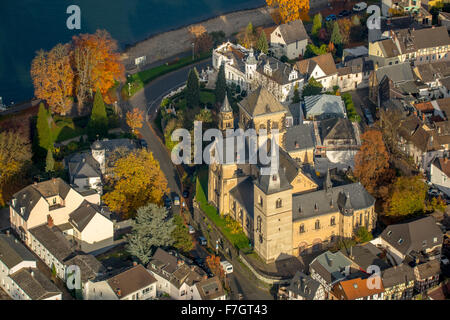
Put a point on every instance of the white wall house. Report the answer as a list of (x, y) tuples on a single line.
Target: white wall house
[(439, 174), (289, 39)]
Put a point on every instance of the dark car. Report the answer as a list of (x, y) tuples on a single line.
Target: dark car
[(167, 202), (143, 143), (344, 13), (185, 194)]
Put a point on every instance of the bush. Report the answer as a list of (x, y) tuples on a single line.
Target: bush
[(284, 59), (351, 111)]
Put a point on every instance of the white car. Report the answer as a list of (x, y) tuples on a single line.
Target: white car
[(444, 260), (360, 6), (227, 267), (191, 229)]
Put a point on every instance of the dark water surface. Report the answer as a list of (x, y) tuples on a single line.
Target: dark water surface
[(29, 25)]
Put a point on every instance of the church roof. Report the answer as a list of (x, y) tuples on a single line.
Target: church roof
[(226, 105), (260, 102)]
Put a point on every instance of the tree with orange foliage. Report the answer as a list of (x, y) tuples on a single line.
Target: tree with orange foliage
[(291, 10), (372, 164), (213, 263), (201, 39), (345, 26), (331, 48), (135, 119), (96, 64), (53, 77)]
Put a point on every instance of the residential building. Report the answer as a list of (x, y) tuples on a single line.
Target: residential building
[(440, 174), (102, 150), (303, 287), (73, 213), (444, 19), (355, 52), (359, 289), (426, 275), (331, 268), (431, 75), (181, 281), (411, 45), (398, 282), (324, 106), (418, 239), (84, 172), (322, 68), (19, 276), (136, 283), (354, 74), (244, 68), (289, 39)]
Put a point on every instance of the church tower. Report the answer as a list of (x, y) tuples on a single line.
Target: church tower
[(226, 120), (250, 69), (272, 216)]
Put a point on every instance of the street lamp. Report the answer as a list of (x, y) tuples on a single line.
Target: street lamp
[(193, 46)]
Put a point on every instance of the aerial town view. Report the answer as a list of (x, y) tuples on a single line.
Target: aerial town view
[(225, 150)]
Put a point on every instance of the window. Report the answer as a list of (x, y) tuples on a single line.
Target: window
[(333, 221), (400, 241), (302, 228), (258, 223), (279, 203), (317, 225), (260, 201), (145, 291), (389, 233)]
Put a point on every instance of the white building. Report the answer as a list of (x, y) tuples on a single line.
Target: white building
[(289, 39), (439, 174), (19, 277), (322, 68)]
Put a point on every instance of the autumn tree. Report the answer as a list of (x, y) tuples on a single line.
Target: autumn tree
[(291, 10), (151, 228), (135, 119), (96, 63), (98, 122), (213, 263), (363, 235), (317, 24), (407, 197), (262, 45), (296, 97), (181, 236), (192, 91), (15, 160), (372, 163), (389, 124), (249, 36), (53, 77), (345, 26), (43, 128), (136, 181)]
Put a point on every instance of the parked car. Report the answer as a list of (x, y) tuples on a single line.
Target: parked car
[(368, 116), (344, 13), (202, 241), (143, 143), (191, 229), (185, 194), (360, 6), (176, 200), (444, 260), (227, 266), (240, 296), (167, 202), (331, 17)]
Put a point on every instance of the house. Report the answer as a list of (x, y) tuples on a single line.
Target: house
[(19, 276), (431, 75), (73, 213), (102, 150), (367, 257), (177, 279), (354, 74), (249, 71), (299, 142), (330, 268), (303, 287), (411, 45), (339, 140), (358, 289), (324, 106), (444, 19), (398, 282), (289, 39), (355, 52), (426, 275), (322, 68), (136, 283), (440, 174), (209, 289), (418, 239), (84, 172)]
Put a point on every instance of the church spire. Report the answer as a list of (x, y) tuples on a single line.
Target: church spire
[(328, 185), (225, 105)]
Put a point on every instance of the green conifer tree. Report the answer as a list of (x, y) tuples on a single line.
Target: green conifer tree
[(262, 44), (192, 90), (43, 128), (49, 161), (221, 85), (98, 123), (336, 36)]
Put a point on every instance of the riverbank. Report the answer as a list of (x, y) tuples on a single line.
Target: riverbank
[(175, 42)]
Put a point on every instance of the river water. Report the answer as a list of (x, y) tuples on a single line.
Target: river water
[(29, 25)]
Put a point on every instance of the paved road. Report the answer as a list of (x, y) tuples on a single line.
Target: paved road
[(148, 100), (361, 100)]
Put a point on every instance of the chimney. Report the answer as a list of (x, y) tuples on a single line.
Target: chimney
[(134, 264), (54, 180), (50, 221), (179, 262), (205, 277), (118, 292), (7, 233), (32, 273), (192, 268), (35, 183)]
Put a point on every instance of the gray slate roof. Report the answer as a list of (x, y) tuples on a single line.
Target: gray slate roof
[(365, 255), (273, 183), (90, 267), (280, 71), (35, 284), (13, 252), (299, 137), (83, 165), (351, 197), (30, 195), (304, 286), (428, 269), (81, 216), (111, 145), (401, 72), (293, 31), (243, 193), (410, 236), (336, 129), (260, 102), (330, 266), (397, 275), (54, 241), (324, 105)]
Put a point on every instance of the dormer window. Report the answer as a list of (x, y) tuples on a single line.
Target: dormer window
[(22, 210), (316, 207), (389, 233), (14, 201), (293, 75), (400, 241)]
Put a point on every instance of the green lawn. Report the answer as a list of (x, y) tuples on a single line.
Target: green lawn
[(64, 129), (239, 240), (140, 79)]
